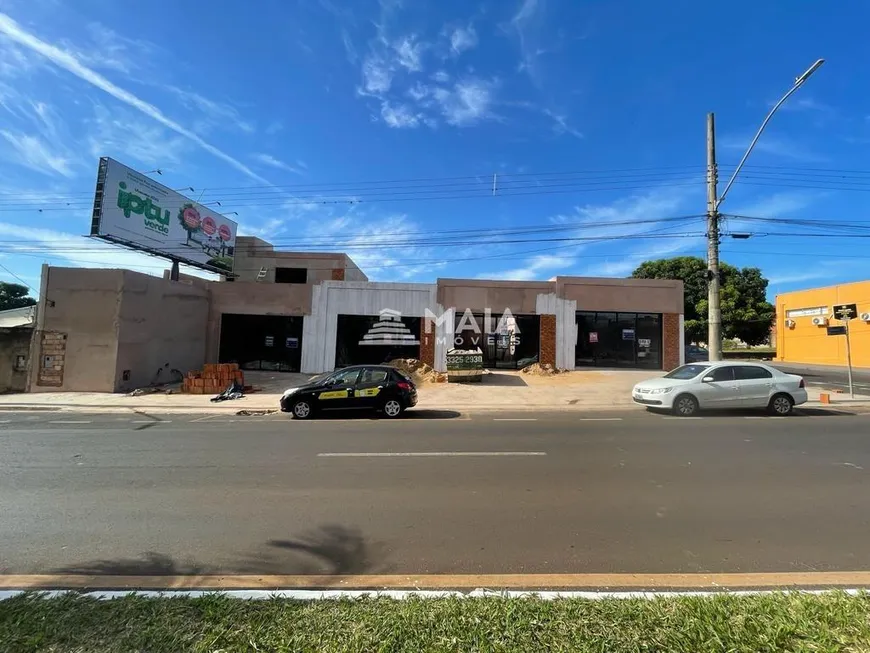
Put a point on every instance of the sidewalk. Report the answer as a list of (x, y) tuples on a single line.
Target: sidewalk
[(499, 391)]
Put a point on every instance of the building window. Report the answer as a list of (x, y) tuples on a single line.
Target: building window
[(291, 275)]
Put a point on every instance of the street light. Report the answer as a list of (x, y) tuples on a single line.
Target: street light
[(798, 82), (714, 200)]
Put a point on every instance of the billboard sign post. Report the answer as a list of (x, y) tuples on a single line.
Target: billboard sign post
[(135, 211)]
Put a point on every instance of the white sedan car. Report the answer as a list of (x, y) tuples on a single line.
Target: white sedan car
[(700, 386)]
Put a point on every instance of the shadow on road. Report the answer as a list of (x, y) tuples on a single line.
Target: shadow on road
[(749, 412), (413, 413), (331, 550)]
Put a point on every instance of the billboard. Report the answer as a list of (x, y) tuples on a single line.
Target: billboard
[(133, 210)]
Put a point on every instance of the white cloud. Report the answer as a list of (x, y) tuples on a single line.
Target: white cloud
[(399, 116), (349, 48), (777, 205), (560, 124), (627, 262), (777, 146), (32, 152), (71, 64), (77, 251), (409, 52), (796, 277), (524, 26), (274, 127), (215, 113), (269, 160), (441, 77), (539, 267), (462, 39), (467, 103), (377, 76), (124, 135)]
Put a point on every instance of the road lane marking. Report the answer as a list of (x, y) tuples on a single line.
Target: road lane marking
[(600, 419), (429, 454), (528, 582), (151, 421), (514, 419), (681, 418), (207, 417), (71, 421)]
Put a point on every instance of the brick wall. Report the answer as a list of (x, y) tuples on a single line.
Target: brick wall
[(52, 349), (548, 340), (427, 342), (338, 274), (670, 341)]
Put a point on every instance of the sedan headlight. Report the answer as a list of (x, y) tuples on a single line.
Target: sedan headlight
[(288, 392), (660, 391)]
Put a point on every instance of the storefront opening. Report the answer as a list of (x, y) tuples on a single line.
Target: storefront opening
[(607, 339), (261, 342), (508, 342), (372, 340)]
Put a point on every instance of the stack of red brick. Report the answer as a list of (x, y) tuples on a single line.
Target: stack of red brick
[(214, 379)]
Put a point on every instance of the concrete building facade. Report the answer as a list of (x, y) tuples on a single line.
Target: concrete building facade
[(802, 318), (115, 330)]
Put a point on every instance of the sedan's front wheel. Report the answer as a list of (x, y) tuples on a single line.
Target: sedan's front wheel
[(781, 405), (685, 406)]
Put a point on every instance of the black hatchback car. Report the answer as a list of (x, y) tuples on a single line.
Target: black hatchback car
[(362, 387)]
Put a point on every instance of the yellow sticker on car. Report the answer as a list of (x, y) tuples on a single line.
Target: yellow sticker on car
[(334, 394), (368, 392)]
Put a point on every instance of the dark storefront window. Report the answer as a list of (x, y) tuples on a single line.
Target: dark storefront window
[(507, 342), (607, 339), (262, 342), (372, 340)]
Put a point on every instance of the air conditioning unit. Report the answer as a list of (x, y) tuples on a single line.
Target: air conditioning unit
[(821, 320), (865, 317), (790, 324)]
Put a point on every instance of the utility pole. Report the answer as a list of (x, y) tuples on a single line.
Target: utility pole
[(714, 311)]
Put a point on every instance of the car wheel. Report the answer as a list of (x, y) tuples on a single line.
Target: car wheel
[(781, 405), (685, 406), (392, 408), (302, 409)]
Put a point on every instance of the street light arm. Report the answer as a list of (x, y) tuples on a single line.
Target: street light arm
[(797, 84), (754, 141)]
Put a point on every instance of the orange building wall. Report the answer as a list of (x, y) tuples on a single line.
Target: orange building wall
[(807, 343)]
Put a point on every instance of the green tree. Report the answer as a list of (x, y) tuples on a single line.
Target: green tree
[(746, 313), (14, 295)]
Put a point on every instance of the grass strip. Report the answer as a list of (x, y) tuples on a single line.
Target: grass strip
[(770, 622)]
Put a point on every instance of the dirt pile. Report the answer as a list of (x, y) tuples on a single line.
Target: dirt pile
[(537, 369), (419, 371)]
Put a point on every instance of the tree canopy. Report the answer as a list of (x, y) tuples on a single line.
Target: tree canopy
[(14, 295), (746, 313)]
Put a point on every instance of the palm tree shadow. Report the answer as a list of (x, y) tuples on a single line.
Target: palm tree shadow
[(331, 550)]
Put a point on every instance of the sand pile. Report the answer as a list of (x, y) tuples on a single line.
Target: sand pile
[(419, 371), (537, 369)]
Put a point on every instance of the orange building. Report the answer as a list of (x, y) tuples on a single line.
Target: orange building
[(802, 318)]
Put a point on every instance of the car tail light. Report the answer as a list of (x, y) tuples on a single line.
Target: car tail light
[(802, 384), (404, 386)]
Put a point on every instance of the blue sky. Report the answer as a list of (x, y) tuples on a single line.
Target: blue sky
[(290, 111)]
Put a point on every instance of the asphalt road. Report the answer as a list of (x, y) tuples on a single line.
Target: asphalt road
[(832, 378), (433, 494)]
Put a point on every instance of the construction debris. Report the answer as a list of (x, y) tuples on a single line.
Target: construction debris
[(539, 369), (214, 378), (419, 371)]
